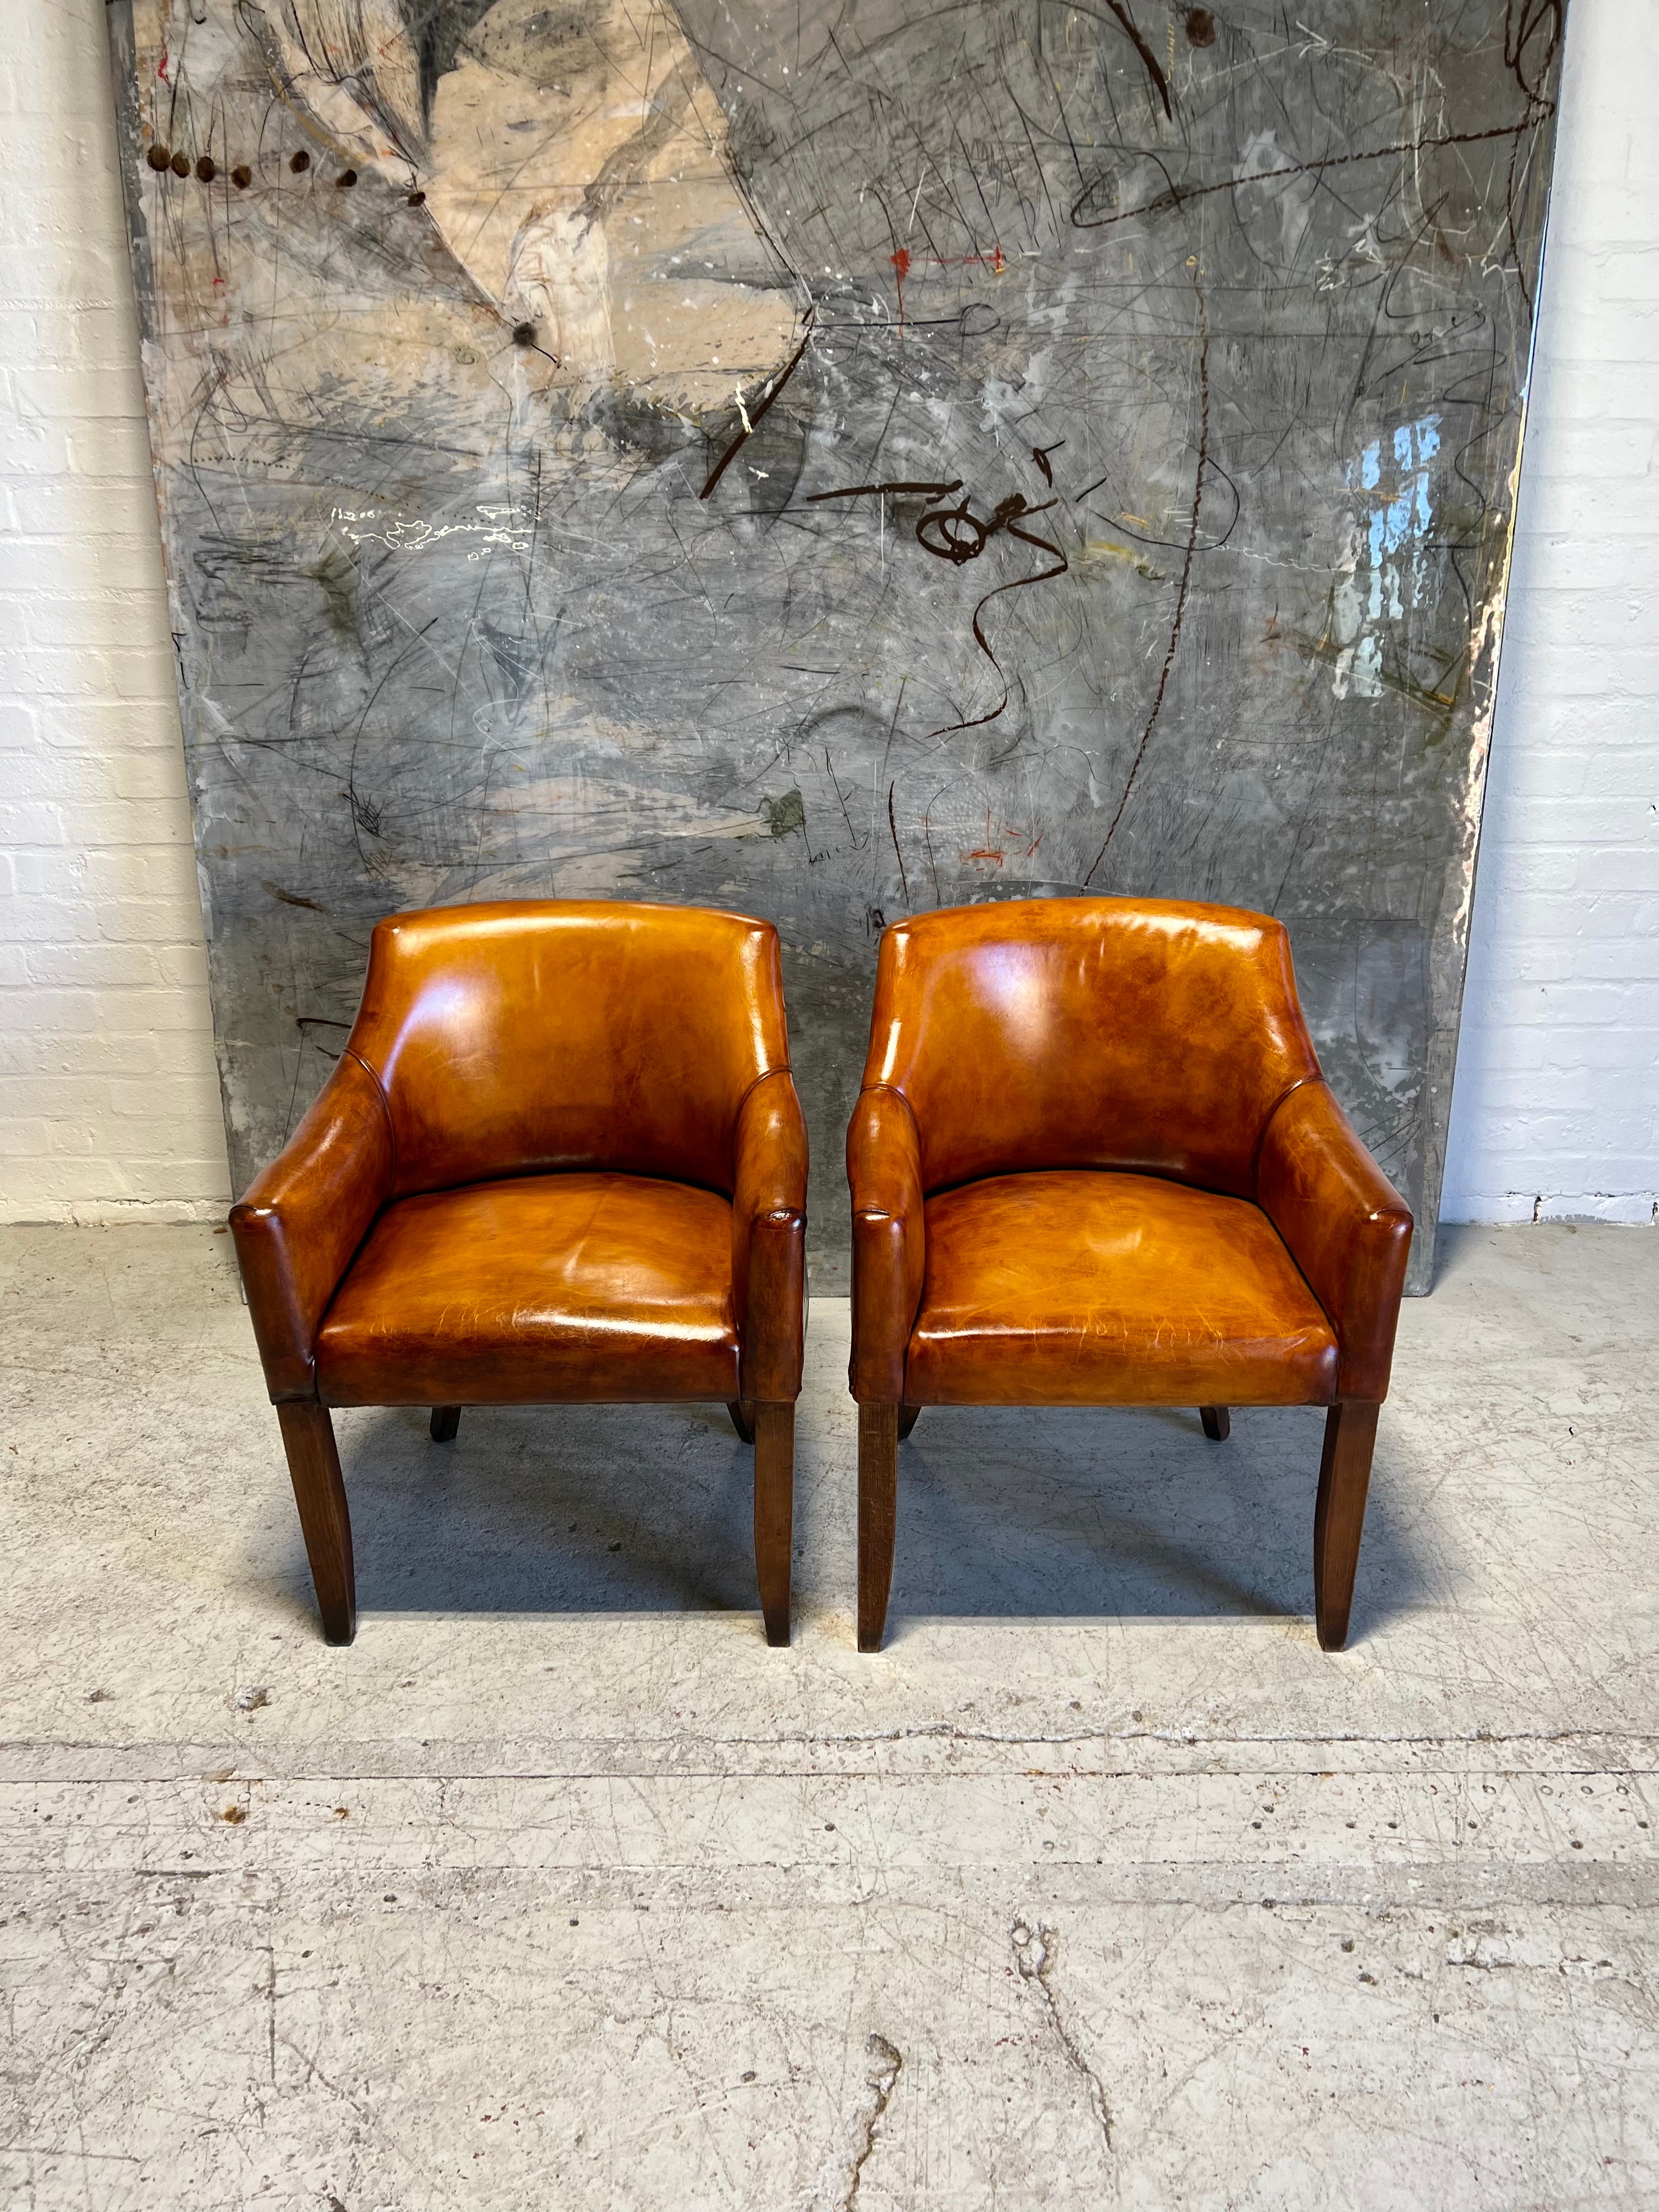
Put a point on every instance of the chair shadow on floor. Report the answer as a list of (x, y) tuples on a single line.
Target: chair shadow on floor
[(1119, 1513), (1085, 1515)]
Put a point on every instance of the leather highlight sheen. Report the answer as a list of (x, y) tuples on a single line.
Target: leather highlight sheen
[(1095, 1162), (561, 1158)]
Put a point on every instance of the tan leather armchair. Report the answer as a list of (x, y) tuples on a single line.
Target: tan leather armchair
[(1094, 1162), (561, 1160)]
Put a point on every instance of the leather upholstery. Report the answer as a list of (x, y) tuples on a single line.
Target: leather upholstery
[(1073, 1287), (569, 1134), (1061, 1033), (1231, 1242), (558, 1287)]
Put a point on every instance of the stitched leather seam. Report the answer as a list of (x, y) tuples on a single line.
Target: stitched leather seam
[(737, 1116), (752, 1088), (385, 1108), (892, 1091), (1300, 1084)]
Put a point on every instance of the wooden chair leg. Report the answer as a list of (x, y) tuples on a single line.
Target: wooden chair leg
[(1345, 1474), (774, 1513), (742, 1411), (877, 1518), (1217, 1426), (446, 1424), (907, 1417), (313, 1464)]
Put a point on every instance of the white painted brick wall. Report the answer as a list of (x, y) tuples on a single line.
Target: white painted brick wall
[(108, 1101), (1556, 1109)]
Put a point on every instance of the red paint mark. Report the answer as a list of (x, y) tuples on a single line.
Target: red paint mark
[(986, 854), (161, 66), (901, 262)]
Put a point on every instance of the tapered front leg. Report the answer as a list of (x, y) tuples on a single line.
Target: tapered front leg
[(877, 1518), (446, 1424), (1217, 1426), (1345, 1474), (774, 1513), (313, 1464)]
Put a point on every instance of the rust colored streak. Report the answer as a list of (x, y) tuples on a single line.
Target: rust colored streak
[(901, 262), (1149, 59), (1186, 575)]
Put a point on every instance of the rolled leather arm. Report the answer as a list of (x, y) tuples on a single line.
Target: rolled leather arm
[(884, 1166), (303, 1219), (1347, 1227), (768, 1239)]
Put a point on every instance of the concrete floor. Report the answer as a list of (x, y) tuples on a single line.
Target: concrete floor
[(1101, 1885)]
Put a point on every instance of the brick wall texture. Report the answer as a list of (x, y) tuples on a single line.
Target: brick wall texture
[(109, 1105)]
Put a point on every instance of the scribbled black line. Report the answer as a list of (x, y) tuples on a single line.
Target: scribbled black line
[(957, 534), (1516, 42), (1040, 455), (1176, 544), (1178, 195), (865, 491), (893, 828), (1146, 55), (1015, 584), (1186, 575), (761, 411)]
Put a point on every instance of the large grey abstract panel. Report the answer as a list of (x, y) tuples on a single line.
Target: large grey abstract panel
[(835, 460)]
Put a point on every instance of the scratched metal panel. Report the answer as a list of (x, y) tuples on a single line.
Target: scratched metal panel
[(525, 380)]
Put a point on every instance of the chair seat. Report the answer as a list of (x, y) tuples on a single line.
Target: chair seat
[(551, 1288), (1094, 1287)]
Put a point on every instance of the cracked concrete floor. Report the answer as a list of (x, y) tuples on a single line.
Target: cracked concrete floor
[(1101, 1885)]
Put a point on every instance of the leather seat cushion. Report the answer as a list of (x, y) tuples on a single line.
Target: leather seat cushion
[(1090, 1287), (574, 1288)]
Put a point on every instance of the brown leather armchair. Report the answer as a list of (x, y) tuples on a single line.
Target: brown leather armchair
[(561, 1160), (1094, 1162)]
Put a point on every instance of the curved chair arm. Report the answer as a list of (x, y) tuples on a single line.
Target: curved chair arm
[(768, 1239), (303, 1219), (884, 1166), (1347, 1227)]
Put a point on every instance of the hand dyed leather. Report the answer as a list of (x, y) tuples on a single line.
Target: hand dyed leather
[(1094, 1160), (884, 1166), (562, 1157)]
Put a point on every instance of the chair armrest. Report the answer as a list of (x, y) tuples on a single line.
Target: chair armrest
[(768, 1239), (302, 1219), (1347, 1227), (884, 1166)]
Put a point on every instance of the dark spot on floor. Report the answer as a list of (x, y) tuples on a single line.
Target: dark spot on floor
[(1201, 26)]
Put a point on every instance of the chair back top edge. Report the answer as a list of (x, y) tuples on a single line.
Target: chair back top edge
[(1149, 1034), (518, 1035)]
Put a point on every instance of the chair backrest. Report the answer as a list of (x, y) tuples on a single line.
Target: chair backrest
[(541, 1034), (1123, 1033)]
